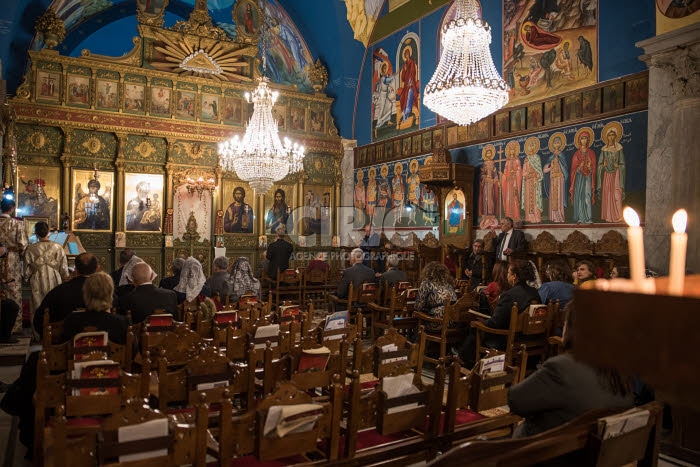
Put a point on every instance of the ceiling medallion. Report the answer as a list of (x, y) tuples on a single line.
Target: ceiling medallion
[(38, 140), (93, 145), (201, 62), (145, 149)]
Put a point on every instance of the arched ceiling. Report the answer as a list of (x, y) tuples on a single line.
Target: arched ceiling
[(107, 26)]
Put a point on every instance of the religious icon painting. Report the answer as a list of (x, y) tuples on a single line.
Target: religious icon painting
[(38, 192), (438, 138), (427, 142), (613, 97), (107, 94), (517, 120), (279, 113), (233, 110), (185, 104), (416, 144), (451, 136), (362, 155), (317, 120), (379, 151), (160, 101), (502, 123), (552, 111), (479, 130), (573, 107), (134, 97), (47, 86), (454, 219), (636, 91), (279, 204), (210, 108), (92, 200), (534, 116), (370, 155), (677, 8), (406, 147), (316, 210), (248, 18), (298, 118), (239, 215), (143, 198), (397, 148), (388, 150), (462, 133), (591, 102), (78, 90)]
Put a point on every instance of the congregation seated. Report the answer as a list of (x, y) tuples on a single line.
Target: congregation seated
[(124, 257), (243, 280), (126, 284), (521, 293), (171, 282), (192, 282), (559, 286), (278, 253), (478, 263), (564, 388), (499, 283), (436, 288), (219, 282), (393, 275), (97, 296), (318, 263), (619, 272), (356, 274), (66, 297), (584, 271), (145, 298)]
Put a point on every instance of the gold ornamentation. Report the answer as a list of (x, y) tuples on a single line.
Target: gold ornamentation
[(145, 149), (132, 58), (545, 243), (318, 75), (37, 140), (180, 177), (200, 24), (577, 242), (51, 28), (612, 243), (24, 89), (93, 145), (143, 241), (430, 241)]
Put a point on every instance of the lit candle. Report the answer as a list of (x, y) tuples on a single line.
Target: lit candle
[(679, 242), (635, 241)]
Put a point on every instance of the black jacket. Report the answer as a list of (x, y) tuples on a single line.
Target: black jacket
[(521, 293), (146, 298), (76, 322), (61, 301), (357, 274), (278, 253), (517, 241)]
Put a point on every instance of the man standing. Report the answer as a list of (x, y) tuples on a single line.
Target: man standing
[(509, 240), (239, 215), (477, 264), (278, 253), (369, 241), (13, 236)]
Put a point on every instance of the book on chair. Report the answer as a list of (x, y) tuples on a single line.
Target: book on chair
[(411, 294), (617, 425), (272, 331), (537, 310), (225, 317), (289, 310), (96, 369), (337, 320), (161, 320), (314, 359), (403, 286), (246, 299)]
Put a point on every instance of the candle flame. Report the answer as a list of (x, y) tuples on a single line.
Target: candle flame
[(631, 217), (680, 220)]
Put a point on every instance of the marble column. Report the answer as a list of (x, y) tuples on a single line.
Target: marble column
[(673, 159), (347, 167)]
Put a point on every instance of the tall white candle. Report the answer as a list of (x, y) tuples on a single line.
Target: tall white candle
[(679, 242), (635, 241)]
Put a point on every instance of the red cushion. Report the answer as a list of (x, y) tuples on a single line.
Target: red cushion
[(78, 422), (252, 461)]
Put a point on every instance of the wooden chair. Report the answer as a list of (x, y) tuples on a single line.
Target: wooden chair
[(449, 335), (318, 377), (315, 288), (288, 286), (532, 330), (395, 315), (336, 303), (180, 345)]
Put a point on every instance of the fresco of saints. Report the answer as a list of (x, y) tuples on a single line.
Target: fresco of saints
[(414, 190), (488, 189), (384, 96), (532, 182), (140, 214), (239, 215), (611, 174), (582, 188), (556, 178), (408, 92), (455, 213), (359, 193), (399, 192), (511, 180), (383, 191), (371, 194), (278, 213)]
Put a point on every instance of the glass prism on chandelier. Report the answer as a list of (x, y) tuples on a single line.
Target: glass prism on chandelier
[(260, 158), (466, 86)]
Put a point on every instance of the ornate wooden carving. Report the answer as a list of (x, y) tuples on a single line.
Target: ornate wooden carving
[(489, 238), (545, 243), (577, 242), (612, 243), (430, 241)]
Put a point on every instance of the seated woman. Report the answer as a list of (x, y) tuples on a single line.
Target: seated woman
[(192, 282), (584, 271), (559, 286), (242, 278), (498, 284), (564, 388), (620, 272), (436, 288)]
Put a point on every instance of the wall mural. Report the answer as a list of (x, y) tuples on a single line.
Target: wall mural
[(391, 195), (581, 174), (362, 14), (396, 90), (549, 47)]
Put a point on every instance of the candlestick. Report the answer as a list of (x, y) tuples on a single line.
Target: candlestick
[(635, 241), (679, 242)]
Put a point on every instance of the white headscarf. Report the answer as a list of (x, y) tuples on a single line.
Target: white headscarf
[(191, 279), (126, 272)]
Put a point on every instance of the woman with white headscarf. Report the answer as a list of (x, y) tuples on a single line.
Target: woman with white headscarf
[(242, 279), (192, 281)]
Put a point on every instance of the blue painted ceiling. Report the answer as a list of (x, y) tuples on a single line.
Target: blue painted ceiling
[(107, 27)]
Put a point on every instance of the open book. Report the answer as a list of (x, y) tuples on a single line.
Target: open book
[(411, 294), (284, 419), (143, 431), (493, 364), (616, 425), (403, 286), (314, 359)]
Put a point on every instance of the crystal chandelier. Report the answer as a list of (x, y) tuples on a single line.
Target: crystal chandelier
[(200, 185), (466, 86), (260, 158)]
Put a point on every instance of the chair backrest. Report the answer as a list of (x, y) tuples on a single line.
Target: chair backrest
[(315, 277)]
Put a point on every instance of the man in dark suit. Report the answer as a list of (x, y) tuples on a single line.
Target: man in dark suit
[(124, 257), (64, 298), (356, 274), (369, 243), (509, 240), (393, 275), (278, 253), (477, 264), (146, 297), (171, 282)]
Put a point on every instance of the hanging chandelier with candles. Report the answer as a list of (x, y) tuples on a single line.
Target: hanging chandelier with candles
[(466, 86), (260, 158)]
